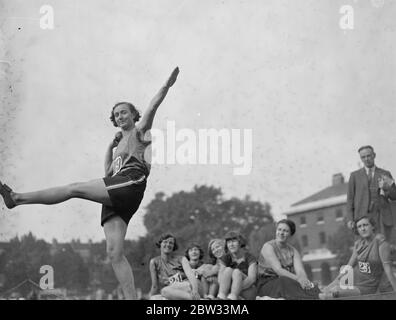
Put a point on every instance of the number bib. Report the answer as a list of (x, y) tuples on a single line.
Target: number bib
[(117, 163), (175, 278), (364, 267)]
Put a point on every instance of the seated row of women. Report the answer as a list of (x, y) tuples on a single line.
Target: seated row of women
[(233, 273)]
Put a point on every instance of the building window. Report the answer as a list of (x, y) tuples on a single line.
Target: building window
[(304, 240), (325, 273), (320, 219), (303, 222), (322, 238), (339, 215), (308, 271)]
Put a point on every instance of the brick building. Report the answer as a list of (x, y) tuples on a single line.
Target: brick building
[(317, 217)]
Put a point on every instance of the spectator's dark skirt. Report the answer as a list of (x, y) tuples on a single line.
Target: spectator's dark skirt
[(284, 287)]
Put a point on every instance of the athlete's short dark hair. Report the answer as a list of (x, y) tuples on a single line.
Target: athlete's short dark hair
[(194, 245), (289, 223), (212, 257), (133, 109), (231, 235), (164, 237), (370, 220)]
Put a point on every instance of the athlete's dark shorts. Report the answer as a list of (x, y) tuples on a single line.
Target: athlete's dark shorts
[(126, 190)]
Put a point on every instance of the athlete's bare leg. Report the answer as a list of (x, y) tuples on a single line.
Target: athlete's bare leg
[(94, 190), (115, 231), (177, 291), (236, 285), (225, 279)]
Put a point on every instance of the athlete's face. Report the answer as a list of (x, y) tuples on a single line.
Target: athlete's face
[(367, 156), (365, 228), (233, 245), (167, 245), (194, 253), (282, 232), (123, 116), (217, 248)]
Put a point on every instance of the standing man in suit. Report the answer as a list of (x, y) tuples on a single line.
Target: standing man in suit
[(369, 195)]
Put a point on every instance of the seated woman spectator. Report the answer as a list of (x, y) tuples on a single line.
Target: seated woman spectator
[(166, 268), (209, 272), (190, 288), (369, 261), (281, 271), (238, 270)]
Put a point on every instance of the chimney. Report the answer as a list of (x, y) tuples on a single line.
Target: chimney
[(338, 179)]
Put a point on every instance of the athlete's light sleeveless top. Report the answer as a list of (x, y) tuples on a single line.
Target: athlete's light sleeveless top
[(129, 154), (285, 256), (169, 271)]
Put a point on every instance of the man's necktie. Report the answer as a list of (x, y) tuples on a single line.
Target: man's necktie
[(370, 175)]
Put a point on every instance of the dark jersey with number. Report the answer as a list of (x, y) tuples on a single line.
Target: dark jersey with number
[(129, 153), (368, 270)]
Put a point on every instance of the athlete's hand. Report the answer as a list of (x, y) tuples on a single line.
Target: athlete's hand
[(116, 140), (304, 283), (172, 79)]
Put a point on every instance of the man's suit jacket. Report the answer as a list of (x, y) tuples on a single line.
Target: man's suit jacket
[(358, 196)]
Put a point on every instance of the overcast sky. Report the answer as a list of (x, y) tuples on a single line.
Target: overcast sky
[(311, 93)]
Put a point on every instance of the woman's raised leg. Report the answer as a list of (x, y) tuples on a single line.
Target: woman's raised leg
[(94, 190)]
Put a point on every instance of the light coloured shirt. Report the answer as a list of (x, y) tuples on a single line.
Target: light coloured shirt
[(372, 171)]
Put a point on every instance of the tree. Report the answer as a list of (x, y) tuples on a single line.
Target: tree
[(341, 244), (260, 236), (203, 214), (24, 258), (69, 269)]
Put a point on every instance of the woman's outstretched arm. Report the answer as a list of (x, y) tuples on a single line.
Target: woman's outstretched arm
[(148, 117)]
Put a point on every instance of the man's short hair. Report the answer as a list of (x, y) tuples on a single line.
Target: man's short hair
[(366, 147)]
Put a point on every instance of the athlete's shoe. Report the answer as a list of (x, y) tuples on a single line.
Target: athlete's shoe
[(5, 192)]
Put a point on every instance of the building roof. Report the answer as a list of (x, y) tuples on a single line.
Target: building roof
[(329, 192), (336, 194), (317, 204)]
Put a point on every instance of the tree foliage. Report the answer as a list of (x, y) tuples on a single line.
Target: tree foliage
[(341, 244), (203, 214)]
